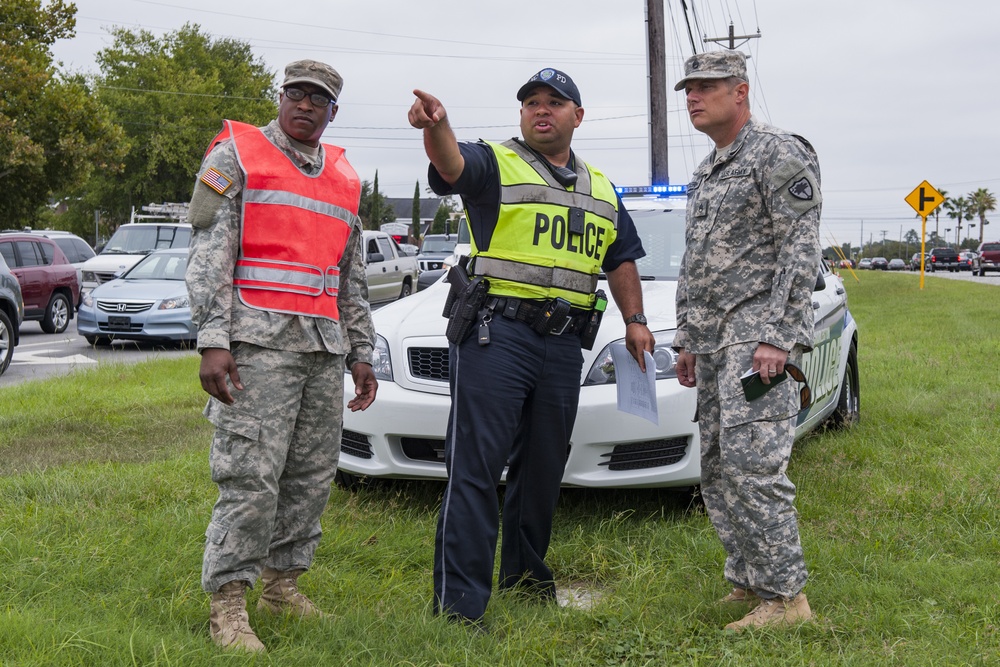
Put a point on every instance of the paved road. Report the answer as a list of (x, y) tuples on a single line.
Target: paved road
[(988, 279), (40, 355)]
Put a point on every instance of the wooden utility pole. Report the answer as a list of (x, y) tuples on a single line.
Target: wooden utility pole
[(656, 50)]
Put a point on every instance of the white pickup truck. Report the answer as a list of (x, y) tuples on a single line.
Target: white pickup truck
[(391, 274)]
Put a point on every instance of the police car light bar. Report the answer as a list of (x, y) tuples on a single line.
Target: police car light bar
[(660, 190)]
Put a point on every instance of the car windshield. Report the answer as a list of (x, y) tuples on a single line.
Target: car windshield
[(662, 234), (439, 245), (141, 239), (167, 266)]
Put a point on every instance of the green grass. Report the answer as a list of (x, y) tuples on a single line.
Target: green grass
[(105, 494)]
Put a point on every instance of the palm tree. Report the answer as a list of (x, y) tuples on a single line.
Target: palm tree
[(981, 201), (958, 210)]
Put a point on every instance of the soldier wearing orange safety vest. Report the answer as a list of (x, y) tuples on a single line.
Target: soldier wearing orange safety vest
[(279, 296)]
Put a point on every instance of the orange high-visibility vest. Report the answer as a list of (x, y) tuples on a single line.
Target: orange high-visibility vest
[(295, 226)]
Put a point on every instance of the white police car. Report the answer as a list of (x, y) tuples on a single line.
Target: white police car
[(402, 434)]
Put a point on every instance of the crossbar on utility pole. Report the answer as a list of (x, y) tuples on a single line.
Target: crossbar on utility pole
[(731, 38)]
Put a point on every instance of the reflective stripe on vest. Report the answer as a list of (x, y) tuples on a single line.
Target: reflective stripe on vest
[(295, 227), (540, 276), (287, 277), (531, 253)]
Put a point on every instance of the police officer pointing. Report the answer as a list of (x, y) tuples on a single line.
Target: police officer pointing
[(544, 224)]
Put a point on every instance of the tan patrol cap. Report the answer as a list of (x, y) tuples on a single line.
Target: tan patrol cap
[(714, 65), (314, 72)]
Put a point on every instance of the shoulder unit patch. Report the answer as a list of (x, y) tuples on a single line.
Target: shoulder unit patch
[(216, 180), (801, 189)]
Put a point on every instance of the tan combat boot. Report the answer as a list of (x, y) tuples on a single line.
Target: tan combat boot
[(281, 594), (777, 611), (743, 596), (228, 622)]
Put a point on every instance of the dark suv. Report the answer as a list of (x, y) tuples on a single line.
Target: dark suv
[(49, 283), (941, 259), (11, 314)]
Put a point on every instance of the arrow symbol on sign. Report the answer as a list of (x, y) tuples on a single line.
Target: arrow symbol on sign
[(924, 199)]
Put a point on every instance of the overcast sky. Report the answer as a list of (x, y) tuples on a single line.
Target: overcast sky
[(890, 92)]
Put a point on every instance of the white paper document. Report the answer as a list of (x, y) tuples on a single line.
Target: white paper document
[(636, 390)]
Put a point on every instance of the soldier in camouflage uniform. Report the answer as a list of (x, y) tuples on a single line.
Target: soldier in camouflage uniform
[(273, 361), (744, 301)]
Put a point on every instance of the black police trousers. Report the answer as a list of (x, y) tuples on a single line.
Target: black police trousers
[(514, 402)]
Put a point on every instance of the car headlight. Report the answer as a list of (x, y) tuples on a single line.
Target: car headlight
[(603, 369), (176, 302), (88, 299), (381, 363), (88, 276)]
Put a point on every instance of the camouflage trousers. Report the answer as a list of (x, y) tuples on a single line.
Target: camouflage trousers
[(274, 456), (745, 448)]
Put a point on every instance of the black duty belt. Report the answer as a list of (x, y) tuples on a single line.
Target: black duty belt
[(528, 311)]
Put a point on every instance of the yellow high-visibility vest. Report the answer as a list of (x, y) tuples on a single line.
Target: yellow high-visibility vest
[(549, 241)]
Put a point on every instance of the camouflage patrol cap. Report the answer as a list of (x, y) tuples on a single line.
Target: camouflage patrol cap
[(714, 65), (314, 72)]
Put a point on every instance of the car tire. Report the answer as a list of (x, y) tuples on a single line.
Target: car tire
[(848, 410), (348, 481), (407, 290), (57, 314), (6, 341), (99, 341)]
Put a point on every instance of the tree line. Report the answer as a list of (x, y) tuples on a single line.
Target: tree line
[(91, 147)]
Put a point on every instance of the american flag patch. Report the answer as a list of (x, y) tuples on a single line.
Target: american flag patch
[(214, 179)]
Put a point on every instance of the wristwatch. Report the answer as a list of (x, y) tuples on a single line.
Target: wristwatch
[(637, 318)]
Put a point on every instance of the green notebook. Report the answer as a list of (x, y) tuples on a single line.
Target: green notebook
[(754, 388)]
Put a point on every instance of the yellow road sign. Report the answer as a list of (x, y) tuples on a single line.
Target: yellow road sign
[(924, 199)]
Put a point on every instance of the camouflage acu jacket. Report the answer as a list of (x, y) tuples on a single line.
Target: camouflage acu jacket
[(752, 252)]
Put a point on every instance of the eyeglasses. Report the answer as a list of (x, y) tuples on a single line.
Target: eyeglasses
[(805, 395), (297, 95)]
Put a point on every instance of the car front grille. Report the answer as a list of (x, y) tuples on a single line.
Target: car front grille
[(423, 449), (429, 363), (648, 454), (355, 444), (134, 327), (124, 306), (104, 277)]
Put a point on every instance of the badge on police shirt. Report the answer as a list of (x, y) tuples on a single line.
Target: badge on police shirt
[(216, 180)]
